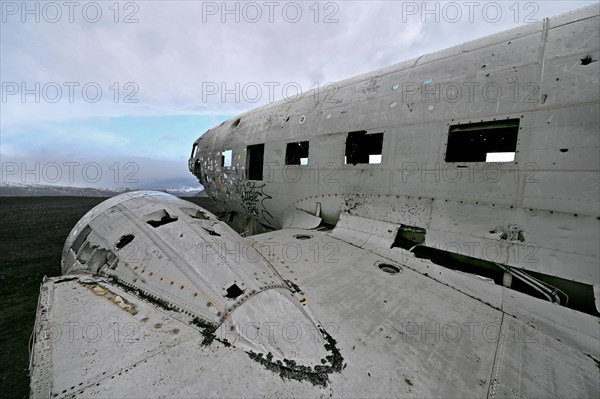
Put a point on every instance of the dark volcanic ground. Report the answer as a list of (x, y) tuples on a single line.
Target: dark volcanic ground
[(32, 233)]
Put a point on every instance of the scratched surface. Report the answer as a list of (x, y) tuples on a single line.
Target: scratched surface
[(400, 335)]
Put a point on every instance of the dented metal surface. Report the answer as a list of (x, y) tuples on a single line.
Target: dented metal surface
[(185, 258), (401, 334)]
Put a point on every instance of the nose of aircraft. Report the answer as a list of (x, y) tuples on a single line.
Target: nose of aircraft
[(258, 315)]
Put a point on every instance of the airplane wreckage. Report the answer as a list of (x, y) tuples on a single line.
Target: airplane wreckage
[(416, 237)]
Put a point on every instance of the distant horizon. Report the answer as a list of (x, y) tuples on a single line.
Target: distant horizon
[(20, 189), (114, 188)]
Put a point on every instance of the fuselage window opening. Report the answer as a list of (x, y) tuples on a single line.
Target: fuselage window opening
[(296, 153), (494, 141), (363, 148), (226, 158), (194, 148), (255, 155), (197, 169)]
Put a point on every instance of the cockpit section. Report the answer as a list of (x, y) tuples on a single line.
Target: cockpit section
[(194, 164)]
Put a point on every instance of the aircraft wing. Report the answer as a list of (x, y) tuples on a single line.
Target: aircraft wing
[(395, 325)]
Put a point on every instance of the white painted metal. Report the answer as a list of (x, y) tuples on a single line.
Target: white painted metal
[(401, 335)]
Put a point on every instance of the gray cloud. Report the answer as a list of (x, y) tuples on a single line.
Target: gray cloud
[(167, 59), (171, 53)]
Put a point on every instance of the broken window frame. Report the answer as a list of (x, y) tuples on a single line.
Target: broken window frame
[(255, 167), (233, 291), (369, 143), (407, 237), (294, 153), (483, 142), (195, 213), (124, 241), (160, 217), (81, 238), (226, 155)]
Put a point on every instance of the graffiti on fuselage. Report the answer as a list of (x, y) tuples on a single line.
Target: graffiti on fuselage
[(253, 197), (229, 186)]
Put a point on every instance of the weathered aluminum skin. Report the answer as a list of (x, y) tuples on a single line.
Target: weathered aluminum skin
[(401, 335), (550, 192), (188, 264)]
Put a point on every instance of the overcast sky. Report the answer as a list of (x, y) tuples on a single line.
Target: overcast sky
[(99, 95)]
